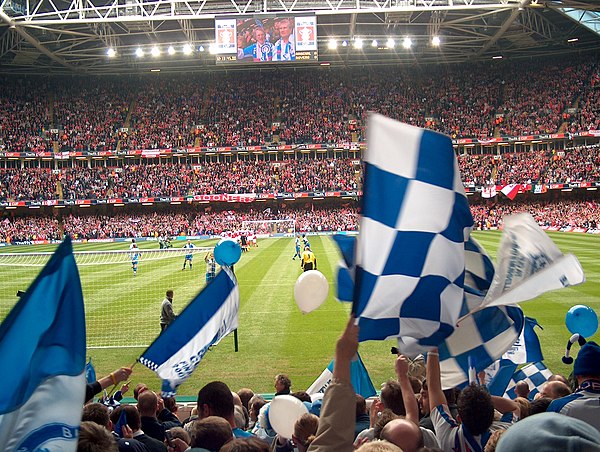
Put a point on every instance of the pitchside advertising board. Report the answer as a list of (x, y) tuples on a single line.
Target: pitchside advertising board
[(268, 40)]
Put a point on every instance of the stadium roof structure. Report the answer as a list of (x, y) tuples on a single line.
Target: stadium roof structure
[(73, 36)]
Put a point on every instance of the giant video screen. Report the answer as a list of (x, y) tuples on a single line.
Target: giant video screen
[(266, 40)]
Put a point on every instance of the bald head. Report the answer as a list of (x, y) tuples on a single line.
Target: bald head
[(404, 434), (555, 390), (147, 404)]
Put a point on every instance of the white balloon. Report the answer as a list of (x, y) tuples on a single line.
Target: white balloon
[(285, 410), (311, 290)]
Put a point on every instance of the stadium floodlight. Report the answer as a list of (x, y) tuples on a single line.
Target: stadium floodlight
[(212, 48), (390, 44), (407, 43), (435, 41), (171, 50), (332, 44), (187, 49), (344, 43), (358, 43), (573, 40), (110, 52), (155, 52), (497, 57), (374, 43), (139, 52), (201, 49)]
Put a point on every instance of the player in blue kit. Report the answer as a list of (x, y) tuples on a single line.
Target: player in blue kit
[(297, 249), (134, 254), (188, 256)]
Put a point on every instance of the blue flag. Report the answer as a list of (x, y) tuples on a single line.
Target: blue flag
[(121, 423), (359, 377), (504, 373), (90, 372), (209, 317), (415, 221), (42, 360)]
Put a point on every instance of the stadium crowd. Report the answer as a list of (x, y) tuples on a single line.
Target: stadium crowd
[(287, 176), (169, 179), (205, 221), (411, 414), (89, 114), (304, 106)]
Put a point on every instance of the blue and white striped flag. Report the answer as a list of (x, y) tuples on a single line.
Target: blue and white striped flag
[(209, 317), (42, 360), (415, 220), (534, 374)]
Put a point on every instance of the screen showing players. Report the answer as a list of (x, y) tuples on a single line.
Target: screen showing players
[(266, 40)]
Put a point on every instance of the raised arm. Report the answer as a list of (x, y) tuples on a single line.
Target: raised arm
[(408, 396), (434, 381), (338, 414), (505, 405)]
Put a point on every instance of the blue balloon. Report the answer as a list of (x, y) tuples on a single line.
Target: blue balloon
[(227, 252), (582, 319)]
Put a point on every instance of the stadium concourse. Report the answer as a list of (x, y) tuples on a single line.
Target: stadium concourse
[(106, 158)]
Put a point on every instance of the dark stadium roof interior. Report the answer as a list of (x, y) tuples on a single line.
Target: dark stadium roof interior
[(72, 36)]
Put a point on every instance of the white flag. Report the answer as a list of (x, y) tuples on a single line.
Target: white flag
[(529, 264)]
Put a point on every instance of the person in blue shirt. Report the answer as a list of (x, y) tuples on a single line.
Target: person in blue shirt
[(188, 256), (261, 50), (134, 254), (297, 244)]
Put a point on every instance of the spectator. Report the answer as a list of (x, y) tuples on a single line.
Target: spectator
[(583, 403), (216, 399)]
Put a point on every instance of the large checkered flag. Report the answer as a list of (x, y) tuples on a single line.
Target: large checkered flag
[(410, 251)]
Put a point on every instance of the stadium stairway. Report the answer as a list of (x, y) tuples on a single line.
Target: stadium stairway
[(127, 123)]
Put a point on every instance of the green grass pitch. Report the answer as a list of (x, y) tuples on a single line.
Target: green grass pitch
[(274, 336)]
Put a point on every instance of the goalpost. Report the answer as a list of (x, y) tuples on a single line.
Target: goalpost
[(271, 228), (121, 310)]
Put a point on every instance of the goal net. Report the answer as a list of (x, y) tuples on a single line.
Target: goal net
[(271, 228), (122, 310)]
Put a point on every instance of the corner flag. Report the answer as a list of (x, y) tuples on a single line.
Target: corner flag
[(209, 317), (42, 360)]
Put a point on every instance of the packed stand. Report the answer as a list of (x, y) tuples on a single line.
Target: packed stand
[(24, 115), (170, 179), (587, 116), (90, 112), (240, 111), (536, 104), (578, 164), (165, 114), (297, 107)]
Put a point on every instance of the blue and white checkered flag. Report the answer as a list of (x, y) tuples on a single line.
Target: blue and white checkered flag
[(482, 334), (415, 221), (534, 374)]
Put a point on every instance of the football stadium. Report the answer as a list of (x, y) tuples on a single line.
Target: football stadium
[(196, 197)]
